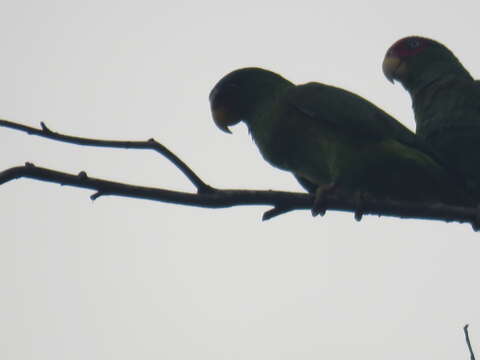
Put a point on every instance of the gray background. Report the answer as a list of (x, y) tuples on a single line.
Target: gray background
[(131, 279)]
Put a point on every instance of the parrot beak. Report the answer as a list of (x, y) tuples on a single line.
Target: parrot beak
[(393, 67), (222, 105), (221, 119)]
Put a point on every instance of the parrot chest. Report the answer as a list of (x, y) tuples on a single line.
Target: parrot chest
[(304, 148), (448, 105), (448, 117)]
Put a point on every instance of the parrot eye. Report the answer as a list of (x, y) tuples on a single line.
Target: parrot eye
[(413, 43), (222, 91)]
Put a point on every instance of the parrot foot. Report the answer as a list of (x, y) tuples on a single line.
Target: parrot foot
[(358, 199), (476, 222), (319, 204)]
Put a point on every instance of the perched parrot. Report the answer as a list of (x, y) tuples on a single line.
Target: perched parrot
[(329, 137), (445, 100)]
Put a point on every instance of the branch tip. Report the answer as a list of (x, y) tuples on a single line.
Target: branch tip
[(96, 195), (45, 127), (275, 211), (467, 339), (151, 144)]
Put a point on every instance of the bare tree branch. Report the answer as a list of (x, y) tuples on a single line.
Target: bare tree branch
[(150, 144), (467, 339), (209, 197), (281, 201), (213, 199)]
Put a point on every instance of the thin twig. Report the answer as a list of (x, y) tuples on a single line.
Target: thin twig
[(467, 339), (227, 198), (207, 196), (216, 199), (150, 144), (274, 212)]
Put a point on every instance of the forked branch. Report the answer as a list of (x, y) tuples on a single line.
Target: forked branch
[(209, 197)]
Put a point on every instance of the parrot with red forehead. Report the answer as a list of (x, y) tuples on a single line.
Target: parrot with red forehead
[(445, 100), (329, 137)]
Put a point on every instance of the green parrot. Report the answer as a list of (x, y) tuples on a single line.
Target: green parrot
[(445, 100), (329, 137)]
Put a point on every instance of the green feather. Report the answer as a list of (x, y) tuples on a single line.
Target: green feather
[(446, 103), (328, 136)]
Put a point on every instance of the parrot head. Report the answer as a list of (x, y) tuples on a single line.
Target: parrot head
[(225, 103), (400, 56), (239, 95), (416, 61)]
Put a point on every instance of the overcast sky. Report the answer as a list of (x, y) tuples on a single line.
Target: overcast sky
[(132, 279)]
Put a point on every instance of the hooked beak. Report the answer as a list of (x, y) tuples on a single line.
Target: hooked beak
[(222, 120), (393, 67)]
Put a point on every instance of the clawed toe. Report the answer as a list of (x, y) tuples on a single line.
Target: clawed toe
[(320, 204), (359, 209)]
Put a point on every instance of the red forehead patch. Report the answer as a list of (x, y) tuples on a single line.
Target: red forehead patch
[(408, 46)]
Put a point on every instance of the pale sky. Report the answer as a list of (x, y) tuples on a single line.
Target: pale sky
[(132, 279)]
